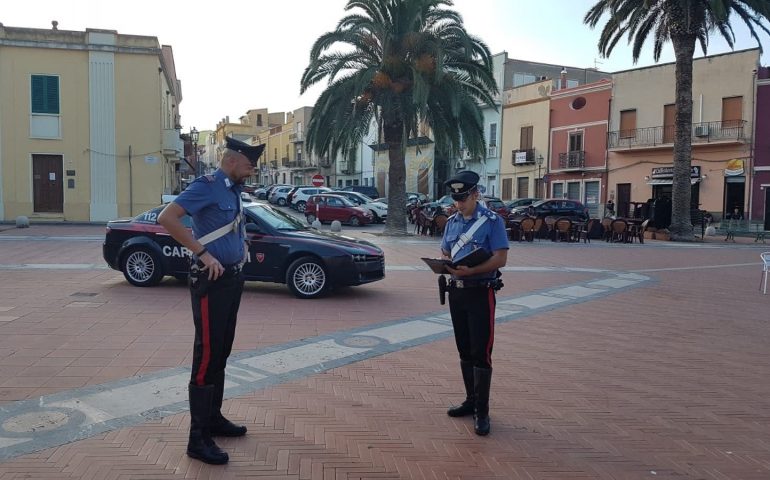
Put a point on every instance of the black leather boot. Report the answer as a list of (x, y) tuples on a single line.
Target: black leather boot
[(482, 378), (200, 445), (467, 407), (219, 425)]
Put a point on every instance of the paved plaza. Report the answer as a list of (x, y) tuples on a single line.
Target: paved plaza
[(611, 361)]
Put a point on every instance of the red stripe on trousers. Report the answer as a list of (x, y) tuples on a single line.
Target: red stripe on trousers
[(491, 325), (204, 365)]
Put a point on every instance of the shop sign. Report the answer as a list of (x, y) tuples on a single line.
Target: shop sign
[(734, 168), (520, 157), (668, 172)]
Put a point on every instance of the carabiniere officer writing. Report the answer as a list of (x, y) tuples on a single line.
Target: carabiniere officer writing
[(472, 292), (218, 240)]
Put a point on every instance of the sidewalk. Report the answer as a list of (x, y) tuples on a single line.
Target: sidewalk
[(611, 362)]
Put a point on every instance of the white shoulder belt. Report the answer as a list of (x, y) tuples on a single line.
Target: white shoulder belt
[(467, 236), (224, 230)]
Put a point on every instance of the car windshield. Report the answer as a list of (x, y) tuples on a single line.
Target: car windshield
[(345, 200), (275, 218)]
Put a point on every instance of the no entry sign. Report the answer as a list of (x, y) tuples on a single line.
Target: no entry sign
[(318, 180)]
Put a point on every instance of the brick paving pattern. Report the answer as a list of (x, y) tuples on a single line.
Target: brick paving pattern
[(667, 380)]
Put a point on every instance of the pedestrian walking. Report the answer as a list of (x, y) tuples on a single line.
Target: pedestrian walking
[(474, 229), (218, 243)]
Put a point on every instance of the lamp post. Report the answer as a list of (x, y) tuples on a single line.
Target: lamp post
[(194, 138), (539, 178)]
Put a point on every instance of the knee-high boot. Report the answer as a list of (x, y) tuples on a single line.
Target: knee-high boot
[(200, 444), (220, 426), (482, 378), (467, 407)]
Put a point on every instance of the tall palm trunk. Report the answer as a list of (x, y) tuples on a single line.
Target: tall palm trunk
[(394, 138), (681, 226)]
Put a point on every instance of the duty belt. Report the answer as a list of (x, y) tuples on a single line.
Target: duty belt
[(485, 283)]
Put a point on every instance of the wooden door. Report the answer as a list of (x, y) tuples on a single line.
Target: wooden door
[(624, 199), (669, 123), (47, 183), (422, 181), (732, 112)]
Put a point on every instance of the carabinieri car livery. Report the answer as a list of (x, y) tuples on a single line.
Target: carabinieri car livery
[(281, 249)]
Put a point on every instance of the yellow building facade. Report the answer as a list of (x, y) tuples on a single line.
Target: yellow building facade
[(89, 124)]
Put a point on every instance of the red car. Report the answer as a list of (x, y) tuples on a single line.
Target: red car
[(329, 207)]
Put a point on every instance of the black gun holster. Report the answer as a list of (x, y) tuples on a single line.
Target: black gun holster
[(199, 280), (442, 289)]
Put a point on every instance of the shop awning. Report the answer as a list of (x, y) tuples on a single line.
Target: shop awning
[(668, 181)]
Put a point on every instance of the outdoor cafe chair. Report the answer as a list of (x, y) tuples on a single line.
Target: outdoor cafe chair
[(606, 224), (537, 229), (527, 229), (439, 222), (562, 229), (765, 268), (585, 231), (637, 231), (619, 228)]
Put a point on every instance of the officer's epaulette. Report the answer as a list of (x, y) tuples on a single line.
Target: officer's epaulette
[(208, 178), (492, 215)]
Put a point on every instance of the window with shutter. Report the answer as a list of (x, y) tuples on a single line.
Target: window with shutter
[(45, 94)]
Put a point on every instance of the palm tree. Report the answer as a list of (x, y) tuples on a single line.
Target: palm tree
[(403, 64), (683, 22)]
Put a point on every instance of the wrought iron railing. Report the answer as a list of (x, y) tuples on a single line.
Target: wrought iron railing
[(704, 132), (573, 160)]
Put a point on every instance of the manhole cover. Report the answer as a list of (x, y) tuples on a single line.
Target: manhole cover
[(35, 422)]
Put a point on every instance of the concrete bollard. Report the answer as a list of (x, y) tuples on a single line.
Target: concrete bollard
[(22, 222), (316, 224), (336, 226)]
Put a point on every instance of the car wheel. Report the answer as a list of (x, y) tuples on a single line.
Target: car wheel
[(310, 218), (354, 221), (142, 267), (301, 206), (306, 278), (282, 202)]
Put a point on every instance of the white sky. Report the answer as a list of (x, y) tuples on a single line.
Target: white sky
[(233, 55)]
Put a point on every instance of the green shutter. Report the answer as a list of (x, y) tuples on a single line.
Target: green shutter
[(45, 94)]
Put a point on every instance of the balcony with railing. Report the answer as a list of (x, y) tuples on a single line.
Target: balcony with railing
[(273, 163), (728, 131), (284, 161), (296, 137), (523, 156), (575, 160)]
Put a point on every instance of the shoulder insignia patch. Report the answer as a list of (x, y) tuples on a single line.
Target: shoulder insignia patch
[(492, 215), (209, 178)]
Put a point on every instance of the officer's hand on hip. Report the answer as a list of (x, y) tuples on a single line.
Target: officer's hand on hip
[(212, 265)]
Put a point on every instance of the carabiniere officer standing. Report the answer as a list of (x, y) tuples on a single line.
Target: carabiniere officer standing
[(218, 242), (472, 292)]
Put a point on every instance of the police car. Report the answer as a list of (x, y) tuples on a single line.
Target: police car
[(281, 250)]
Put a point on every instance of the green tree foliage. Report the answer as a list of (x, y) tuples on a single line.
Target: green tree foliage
[(399, 64)]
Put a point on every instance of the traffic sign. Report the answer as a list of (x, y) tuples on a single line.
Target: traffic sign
[(318, 180)]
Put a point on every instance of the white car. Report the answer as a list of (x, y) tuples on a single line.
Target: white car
[(299, 198), (379, 210)]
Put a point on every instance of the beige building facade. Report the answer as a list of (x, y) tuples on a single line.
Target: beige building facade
[(641, 137), (89, 124), (525, 120)]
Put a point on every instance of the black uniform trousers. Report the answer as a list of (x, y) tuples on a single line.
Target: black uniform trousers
[(473, 320), (215, 313)]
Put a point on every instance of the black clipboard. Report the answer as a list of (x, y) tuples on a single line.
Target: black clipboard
[(477, 256)]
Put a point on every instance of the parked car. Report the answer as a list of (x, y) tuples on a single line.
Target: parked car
[(521, 202), (278, 197), (559, 207), (444, 204), (327, 207), (496, 205), (298, 198), (281, 248), (379, 210), (260, 193), (271, 189), (247, 199), (370, 192)]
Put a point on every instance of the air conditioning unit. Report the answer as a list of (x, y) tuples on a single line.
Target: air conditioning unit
[(702, 131)]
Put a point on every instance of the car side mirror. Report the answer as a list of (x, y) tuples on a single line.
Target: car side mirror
[(252, 227)]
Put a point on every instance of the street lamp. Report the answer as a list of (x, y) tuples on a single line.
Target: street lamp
[(194, 138), (539, 179)]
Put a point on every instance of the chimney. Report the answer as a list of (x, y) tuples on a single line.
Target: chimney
[(563, 82), (55, 25)]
